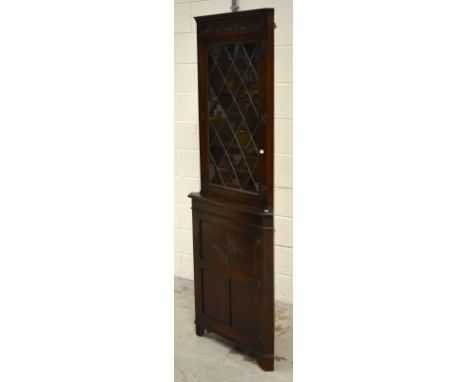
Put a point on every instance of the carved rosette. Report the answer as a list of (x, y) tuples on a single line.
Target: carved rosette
[(227, 246)]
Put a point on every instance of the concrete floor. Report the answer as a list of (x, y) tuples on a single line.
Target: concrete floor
[(213, 359)]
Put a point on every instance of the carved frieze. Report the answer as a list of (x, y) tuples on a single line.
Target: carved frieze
[(232, 26)]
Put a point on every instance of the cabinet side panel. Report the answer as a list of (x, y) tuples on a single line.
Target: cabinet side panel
[(270, 112), (268, 303), (196, 265), (202, 111)]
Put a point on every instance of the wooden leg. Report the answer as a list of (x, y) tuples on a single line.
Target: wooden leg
[(267, 364), (199, 330)]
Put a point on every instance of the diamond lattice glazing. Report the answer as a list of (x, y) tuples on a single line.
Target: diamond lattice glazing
[(233, 115)]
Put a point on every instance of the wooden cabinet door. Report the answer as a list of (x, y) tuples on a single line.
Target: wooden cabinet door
[(230, 267)]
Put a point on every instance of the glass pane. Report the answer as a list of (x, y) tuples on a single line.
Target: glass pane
[(233, 115)]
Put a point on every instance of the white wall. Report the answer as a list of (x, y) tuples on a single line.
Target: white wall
[(187, 173)]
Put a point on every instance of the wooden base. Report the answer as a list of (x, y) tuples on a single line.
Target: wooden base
[(267, 364), (199, 330)]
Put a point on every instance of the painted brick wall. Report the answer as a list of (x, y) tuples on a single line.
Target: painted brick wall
[(186, 156)]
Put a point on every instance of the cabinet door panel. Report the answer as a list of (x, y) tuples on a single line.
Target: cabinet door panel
[(227, 247), (216, 296), (245, 304)]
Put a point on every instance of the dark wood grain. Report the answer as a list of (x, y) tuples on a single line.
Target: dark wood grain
[(233, 229)]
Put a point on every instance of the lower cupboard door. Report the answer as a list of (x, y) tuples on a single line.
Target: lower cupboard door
[(245, 308), (232, 303)]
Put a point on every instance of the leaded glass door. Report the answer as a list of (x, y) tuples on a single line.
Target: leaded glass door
[(235, 75), (233, 116)]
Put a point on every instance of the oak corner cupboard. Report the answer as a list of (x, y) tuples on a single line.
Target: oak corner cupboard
[(233, 212)]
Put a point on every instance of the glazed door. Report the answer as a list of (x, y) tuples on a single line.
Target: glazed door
[(234, 137)]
